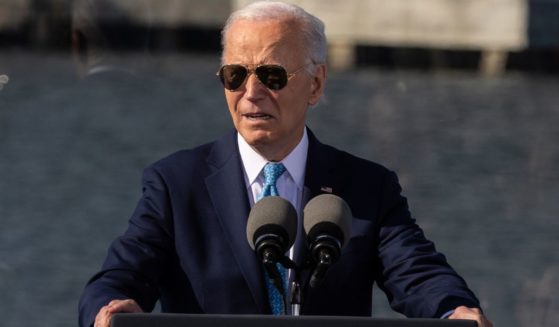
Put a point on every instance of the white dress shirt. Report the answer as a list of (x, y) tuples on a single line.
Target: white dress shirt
[(290, 184)]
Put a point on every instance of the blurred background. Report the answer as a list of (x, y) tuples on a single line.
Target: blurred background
[(459, 97)]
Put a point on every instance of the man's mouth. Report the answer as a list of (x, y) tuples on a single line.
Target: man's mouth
[(257, 116)]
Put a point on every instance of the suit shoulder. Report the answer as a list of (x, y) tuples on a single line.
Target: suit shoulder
[(200, 159), (185, 159)]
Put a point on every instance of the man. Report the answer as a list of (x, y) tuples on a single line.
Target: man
[(186, 243)]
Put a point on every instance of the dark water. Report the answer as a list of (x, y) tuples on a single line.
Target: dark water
[(477, 158)]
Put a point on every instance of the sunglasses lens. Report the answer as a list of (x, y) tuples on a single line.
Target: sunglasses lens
[(233, 76), (273, 76)]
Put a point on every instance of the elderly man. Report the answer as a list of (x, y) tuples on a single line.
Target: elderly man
[(186, 244)]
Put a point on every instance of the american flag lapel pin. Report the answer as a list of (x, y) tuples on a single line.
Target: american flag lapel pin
[(326, 189)]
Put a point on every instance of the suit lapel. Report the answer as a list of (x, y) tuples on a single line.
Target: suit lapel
[(321, 176), (229, 196)]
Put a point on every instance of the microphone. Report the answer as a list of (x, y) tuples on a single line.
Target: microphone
[(327, 222), (271, 230)]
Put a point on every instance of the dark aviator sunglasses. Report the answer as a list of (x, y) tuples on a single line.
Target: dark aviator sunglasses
[(274, 77)]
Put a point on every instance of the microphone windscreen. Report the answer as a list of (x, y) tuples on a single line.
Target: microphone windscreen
[(328, 210), (274, 212)]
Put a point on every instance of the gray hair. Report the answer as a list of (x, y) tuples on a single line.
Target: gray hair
[(312, 28)]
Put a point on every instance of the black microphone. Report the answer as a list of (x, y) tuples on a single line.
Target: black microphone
[(327, 222), (271, 231)]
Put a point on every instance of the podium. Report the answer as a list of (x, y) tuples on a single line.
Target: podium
[(212, 320)]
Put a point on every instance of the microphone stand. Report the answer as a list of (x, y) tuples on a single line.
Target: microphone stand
[(295, 295), (269, 254), (325, 260)]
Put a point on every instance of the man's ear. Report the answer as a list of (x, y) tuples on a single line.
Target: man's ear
[(317, 84)]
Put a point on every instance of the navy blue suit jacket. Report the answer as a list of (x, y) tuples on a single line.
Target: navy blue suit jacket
[(186, 242)]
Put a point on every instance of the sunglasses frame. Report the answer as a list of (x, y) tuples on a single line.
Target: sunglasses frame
[(250, 71)]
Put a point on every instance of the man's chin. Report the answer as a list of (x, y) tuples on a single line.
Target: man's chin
[(257, 141), (257, 136)]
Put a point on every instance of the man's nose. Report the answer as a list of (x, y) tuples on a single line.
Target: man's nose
[(253, 86)]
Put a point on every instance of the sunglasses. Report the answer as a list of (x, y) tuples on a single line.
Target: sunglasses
[(274, 77)]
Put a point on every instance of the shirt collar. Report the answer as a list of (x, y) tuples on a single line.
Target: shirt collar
[(294, 162)]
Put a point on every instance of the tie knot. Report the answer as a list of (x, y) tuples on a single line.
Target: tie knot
[(272, 171)]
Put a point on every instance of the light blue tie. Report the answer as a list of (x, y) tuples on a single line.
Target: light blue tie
[(272, 171)]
